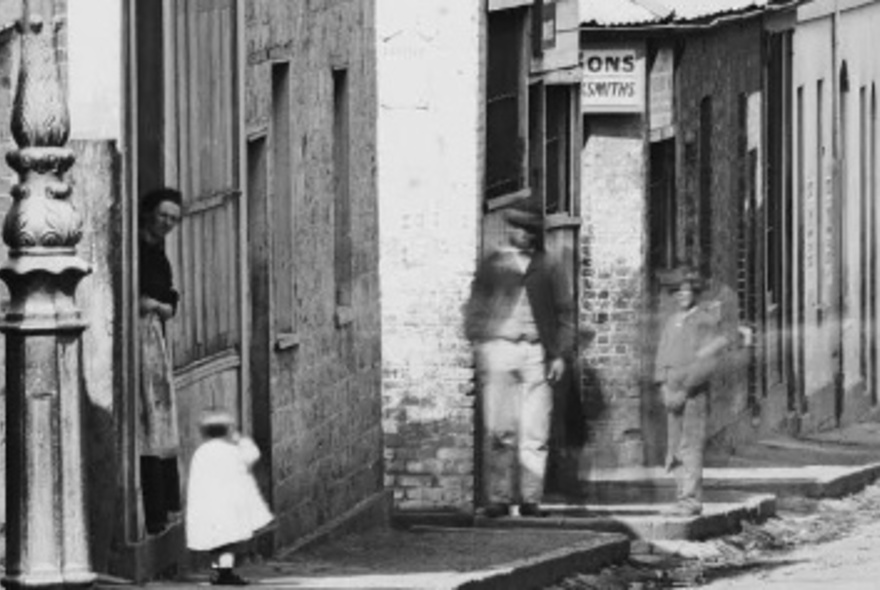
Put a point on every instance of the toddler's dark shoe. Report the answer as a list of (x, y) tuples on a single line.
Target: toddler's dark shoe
[(496, 510), (227, 577)]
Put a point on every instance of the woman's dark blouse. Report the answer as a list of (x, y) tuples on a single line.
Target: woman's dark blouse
[(155, 273)]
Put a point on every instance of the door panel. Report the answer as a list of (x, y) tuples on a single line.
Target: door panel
[(184, 89), (202, 154), (214, 383)]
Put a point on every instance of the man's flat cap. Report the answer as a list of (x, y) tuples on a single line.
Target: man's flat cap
[(525, 215), (675, 277)]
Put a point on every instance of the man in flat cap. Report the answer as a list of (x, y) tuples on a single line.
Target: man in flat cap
[(519, 318)]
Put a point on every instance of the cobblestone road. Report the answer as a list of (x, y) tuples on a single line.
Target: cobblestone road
[(811, 544)]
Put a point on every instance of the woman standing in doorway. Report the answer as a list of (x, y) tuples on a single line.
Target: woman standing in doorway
[(158, 436)]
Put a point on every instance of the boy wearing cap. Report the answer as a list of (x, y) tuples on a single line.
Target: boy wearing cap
[(686, 358), (519, 318)]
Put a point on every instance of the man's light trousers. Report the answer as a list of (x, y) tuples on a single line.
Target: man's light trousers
[(517, 402)]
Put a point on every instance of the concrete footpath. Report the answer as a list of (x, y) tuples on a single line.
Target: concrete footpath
[(488, 554), (435, 558), (614, 510)]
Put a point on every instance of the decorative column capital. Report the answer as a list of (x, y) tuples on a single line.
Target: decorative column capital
[(39, 112), (42, 217)]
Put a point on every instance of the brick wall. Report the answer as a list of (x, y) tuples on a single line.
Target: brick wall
[(613, 242), (430, 130), (325, 400), (725, 65)]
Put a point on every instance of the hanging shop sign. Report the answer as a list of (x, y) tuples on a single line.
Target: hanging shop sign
[(508, 4), (660, 92), (614, 79), (548, 24)]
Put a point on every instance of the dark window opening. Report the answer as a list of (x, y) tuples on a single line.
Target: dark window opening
[(535, 147), (282, 188), (705, 207), (663, 206), (865, 223), (820, 200), (505, 133), (558, 149), (689, 211), (342, 251), (873, 245), (801, 254)]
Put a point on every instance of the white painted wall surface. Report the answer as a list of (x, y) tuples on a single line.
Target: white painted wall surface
[(430, 135), (94, 38)]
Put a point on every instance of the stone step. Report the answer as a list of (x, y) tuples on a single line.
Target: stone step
[(656, 485), (787, 452), (644, 521)]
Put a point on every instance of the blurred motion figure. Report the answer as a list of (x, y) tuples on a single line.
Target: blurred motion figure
[(224, 506), (518, 319), (688, 354)]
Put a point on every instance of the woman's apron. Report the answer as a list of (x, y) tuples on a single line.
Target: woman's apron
[(158, 433)]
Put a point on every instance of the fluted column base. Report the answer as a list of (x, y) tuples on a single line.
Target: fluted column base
[(46, 536)]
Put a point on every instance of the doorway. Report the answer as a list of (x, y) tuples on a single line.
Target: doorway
[(185, 133), (662, 215)]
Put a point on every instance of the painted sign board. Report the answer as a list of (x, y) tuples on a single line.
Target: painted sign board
[(548, 24), (661, 91), (507, 4), (559, 34), (614, 79)]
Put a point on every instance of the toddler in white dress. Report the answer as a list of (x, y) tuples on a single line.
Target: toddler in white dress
[(224, 505)]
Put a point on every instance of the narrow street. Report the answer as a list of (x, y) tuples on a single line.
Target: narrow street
[(849, 562), (811, 544), (395, 267)]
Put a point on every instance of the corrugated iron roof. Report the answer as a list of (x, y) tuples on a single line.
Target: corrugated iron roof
[(686, 10), (610, 13), (618, 13)]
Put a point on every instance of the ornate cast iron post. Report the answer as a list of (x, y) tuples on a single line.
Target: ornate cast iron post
[(46, 534)]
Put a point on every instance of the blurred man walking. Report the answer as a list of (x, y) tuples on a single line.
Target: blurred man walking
[(519, 319)]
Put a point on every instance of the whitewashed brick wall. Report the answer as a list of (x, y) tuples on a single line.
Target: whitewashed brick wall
[(429, 169), (612, 288)]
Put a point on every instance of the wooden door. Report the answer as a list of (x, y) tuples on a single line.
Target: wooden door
[(203, 160), (185, 91)]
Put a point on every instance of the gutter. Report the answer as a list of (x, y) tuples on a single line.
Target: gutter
[(673, 27)]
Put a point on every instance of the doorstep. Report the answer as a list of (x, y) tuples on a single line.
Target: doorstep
[(436, 558), (645, 521)]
